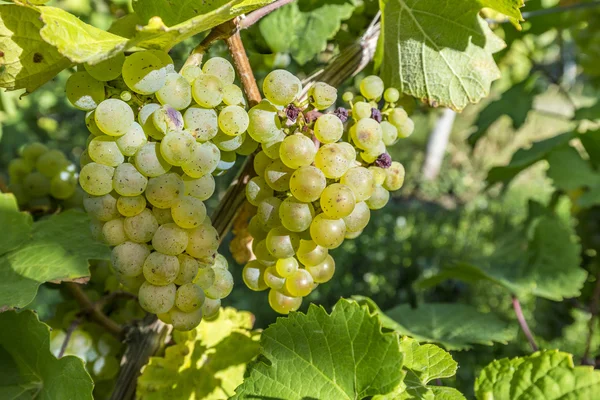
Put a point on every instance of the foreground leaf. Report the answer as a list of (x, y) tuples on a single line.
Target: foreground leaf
[(29, 370), (343, 355), (19, 222)]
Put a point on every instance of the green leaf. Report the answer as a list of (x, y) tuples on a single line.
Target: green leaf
[(510, 8), (343, 355), (206, 363), (569, 171), (591, 143), (543, 375), (591, 113), (29, 370), (303, 34), (590, 198), (19, 223), (58, 250)]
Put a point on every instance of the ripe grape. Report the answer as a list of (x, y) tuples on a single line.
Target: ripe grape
[(102, 208), (262, 253), (166, 119), (227, 143), (104, 150), (248, 146), (277, 175), (271, 147), (233, 120), (149, 160), (83, 91), (202, 122), (268, 212), (281, 87), (295, 215), (309, 253), (211, 308), (367, 133), (322, 272), (307, 184), (257, 190), (264, 123), (327, 232), (207, 90), (128, 258), (113, 232), (361, 110), (333, 160), (337, 201), (220, 68), (222, 285), (361, 181), (371, 87), (282, 303), (183, 321), (144, 73), (300, 283), (170, 239), (190, 72), (165, 190), (203, 243), (253, 275), (141, 227), (130, 206), (188, 269), (157, 299), (233, 95), (378, 199), (132, 140), (359, 218), (96, 179), (177, 147), (201, 188), (161, 269), (272, 279), (204, 160), (297, 151), (107, 70), (114, 117), (389, 133), (282, 243), (189, 297), (188, 212), (176, 92), (394, 178), (322, 95), (328, 128), (391, 95)]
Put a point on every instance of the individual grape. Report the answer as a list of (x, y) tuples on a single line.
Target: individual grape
[(378, 174), (257, 190), (131, 206), (349, 150), (322, 95), (278, 175), (406, 129), (366, 133), (378, 199), (165, 60), (361, 181), (359, 218), (309, 253), (226, 162), (220, 68), (282, 303), (165, 190), (146, 121), (248, 146), (333, 160), (389, 133), (144, 73), (391, 95), (328, 128), (96, 179), (104, 150), (125, 96), (233, 120), (256, 229), (352, 235), (227, 143), (36, 185), (272, 279), (233, 95), (327, 232), (295, 215), (189, 297), (90, 123), (183, 321), (188, 269), (253, 275), (149, 161), (286, 267), (300, 283), (202, 122), (322, 272), (307, 184), (261, 162), (18, 169), (371, 87), (176, 92), (264, 123), (140, 228), (83, 91), (362, 110), (102, 208), (177, 147), (205, 277), (207, 90), (348, 96), (165, 317), (297, 151), (170, 239), (128, 258), (107, 70), (337, 201), (204, 160), (262, 254), (282, 243), (203, 243), (268, 212), (188, 212), (114, 117), (162, 215), (32, 151), (157, 299), (281, 87), (133, 140), (190, 72), (211, 308), (63, 185), (220, 262), (271, 147), (397, 117), (167, 119), (372, 154), (201, 188), (51, 163), (113, 232), (222, 285), (394, 178), (161, 269)]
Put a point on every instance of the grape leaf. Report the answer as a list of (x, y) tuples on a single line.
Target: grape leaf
[(29, 370), (206, 363), (58, 250), (569, 171), (19, 223), (548, 374), (591, 142), (590, 198), (343, 355), (510, 8)]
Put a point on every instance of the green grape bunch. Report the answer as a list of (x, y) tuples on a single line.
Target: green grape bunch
[(157, 139), (319, 175)]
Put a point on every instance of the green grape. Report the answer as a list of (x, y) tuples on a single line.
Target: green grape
[(128, 258), (333, 160), (322, 272), (282, 243), (394, 178), (233, 120), (107, 70), (207, 90), (300, 283), (295, 215), (328, 128), (170, 239), (220, 262), (183, 321), (63, 185), (406, 129), (257, 190), (131, 284), (146, 121), (262, 253), (361, 110), (204, 160), (378, 174), (162, 215), (271, 147), (282, 303), (361, 181), (144, 73), (278, 175), (18, 169), (256, 229), (253, 275), (131, 206), (286, 267), (83, 91), (203, 243), (226, 163), (202, 122), (201, 188), (391, 95), (264, 123), (165, 60), (205, 277), (220, 68), (348, 96), (211, 308), (90, 123), (161, 269), (188, 269), (371, 87), (307, 184), (297, 151), (371, 155), (268, 212), (327, 232), (366, 134), (309, 253), (149, 161), (272, 279), (165, 190), (189, 297), (190, 72), (222, 286), (227, 143), (177, 146), (322, 95), (248, 146), (51, 163), (114, 117), (353, 235), (133, 140), (167, 119), (125, 96), (389, 133), (102, 208), (337, 201), (233, 95), (397, 117), (104, 150), (188, 212), (36, 185), (32, 151), (349, 150), (378, 199), (281, 87), (261, 162), (176, 92), (96, 179), (157, 299), (113, 232), (359, 218), (19, 192), (165, 317), (140, 228)]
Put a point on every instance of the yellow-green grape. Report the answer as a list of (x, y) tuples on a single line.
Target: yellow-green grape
[(282, 303), (226, 162), (18, 169), (281, 87), (166, 119), (264, 123), (188, 212), (248, 146), (140, 228), (371, 87), (165, 190), (286, 267), (361, 181), (96, 179), (203, 243), (233, 95), (300, 283), (165, 317), (32, 151), (282, 243), (185, 321), (161, 269), (130, 206), (63, 185), (391, 95), (271, 147), (262, 253), (261, 162), (257, 190), (128, 258), (398, 117), (177, 146), (51, 163), (359, 218), (220, 262), (36, 185), (83, 91), (295, 215), (157, 299), (188, 269), (90, 123), (348, 96), (366, 134), (253, 275), (337, 201), (221, 68), (389, 133), (189, 297), (328, 128), (146, 120), (297, 151), (144, 73), (353, 235), (327, 232), (165, 60), (227, 143), (406, 129), (372, 154), (127, 180), (204, 160), (107, 70), (207, 90), (322, 272), (113, 232), (170, 239), (205, 277), (133, 140), (176, 92), (378, 199), (102, 208), (333, 160), (211, 308), (309, 253), (394, 178), (349, 150), (256, 229), (322, 95), (202, 122), (361, 110), (307, 184), (233, 120), (378, 174), (222, 286), (277, 175), (162, 215), (125, 95), (268, 212), (114, 117), (190, 72), (272, 279), (201, 188)]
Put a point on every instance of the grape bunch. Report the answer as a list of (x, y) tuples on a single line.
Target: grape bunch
[(157, 139), (319, 177)]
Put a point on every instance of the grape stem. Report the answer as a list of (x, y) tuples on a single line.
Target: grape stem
[(523, 323), (257, 15), (74, 324)]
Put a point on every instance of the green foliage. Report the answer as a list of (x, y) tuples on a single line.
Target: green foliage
[(569, 171), (19, 223)]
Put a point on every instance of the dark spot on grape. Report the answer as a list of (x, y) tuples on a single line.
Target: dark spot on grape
[(376, 114), (383, 161), (1, 54), (341, 113), (292, 112), (38, 58)]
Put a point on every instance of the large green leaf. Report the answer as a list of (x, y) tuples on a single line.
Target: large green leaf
[(19, 223), (339, 356), (591, 143), (569, 171), (27, 368), (58, 250), (542, 375)]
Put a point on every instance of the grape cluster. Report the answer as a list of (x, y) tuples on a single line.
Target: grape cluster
[(319, 177), (157, 139)]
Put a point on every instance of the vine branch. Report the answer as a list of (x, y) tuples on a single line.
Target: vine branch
[(523, 322)]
